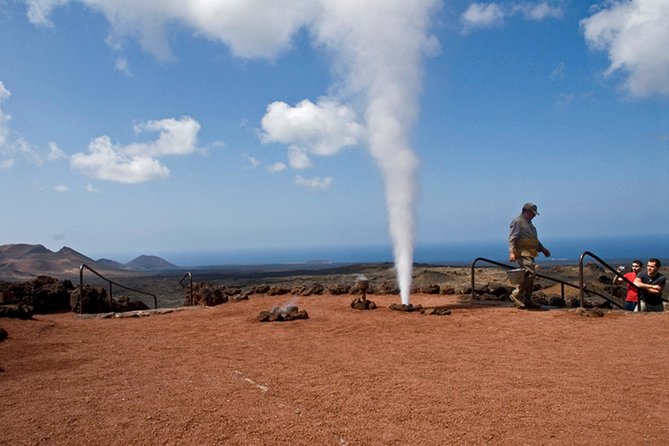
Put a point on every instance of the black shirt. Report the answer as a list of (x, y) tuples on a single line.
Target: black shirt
[(651, 299)]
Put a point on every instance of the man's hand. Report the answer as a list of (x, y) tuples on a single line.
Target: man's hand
[(512, 256)]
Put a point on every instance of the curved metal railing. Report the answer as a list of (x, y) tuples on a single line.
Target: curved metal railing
[(81, 286), (181, 282), (543, 276)]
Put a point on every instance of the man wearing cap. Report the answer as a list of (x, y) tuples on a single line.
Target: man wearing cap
[(524, 246)]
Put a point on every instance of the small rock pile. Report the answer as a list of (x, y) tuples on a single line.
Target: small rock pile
[(213, 294), (362, 303), (405, 307), (282, 314), (437, 311), (17, 311), (590, 312)]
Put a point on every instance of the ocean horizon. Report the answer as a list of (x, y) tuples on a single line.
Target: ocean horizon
[(564, 250)]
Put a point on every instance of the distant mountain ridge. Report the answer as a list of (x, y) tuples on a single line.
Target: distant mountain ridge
[(23, 260)]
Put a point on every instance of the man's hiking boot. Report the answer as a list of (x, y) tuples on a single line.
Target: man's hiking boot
[(517, 302)]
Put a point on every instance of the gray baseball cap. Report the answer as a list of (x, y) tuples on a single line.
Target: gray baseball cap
[(530, 207)]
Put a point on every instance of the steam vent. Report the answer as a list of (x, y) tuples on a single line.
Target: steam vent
[(282, 314), (437, 311), (361, 302), (407, 308)]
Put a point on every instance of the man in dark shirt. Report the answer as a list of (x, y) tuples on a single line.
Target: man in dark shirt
[(651, 284)]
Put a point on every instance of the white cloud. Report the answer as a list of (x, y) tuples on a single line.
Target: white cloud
[(27, 151), (122, 66), (558, 72), (321, 129), (61, 188), (13, 146), (92, 189), (20, 148), (39, 10), (277, 167), (4, 93), (538, 11), (635, 34), (136, 162), (105, 161), (177, 137), (252, 28), (4, 118), (253, 161), (54, 152), (298, 158), (487, 15), (316, 183), (481, 15)]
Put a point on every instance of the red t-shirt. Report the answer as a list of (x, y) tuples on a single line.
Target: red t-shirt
[(632, 293)]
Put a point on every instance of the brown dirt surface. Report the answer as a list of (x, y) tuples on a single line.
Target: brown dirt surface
[(486, 374)]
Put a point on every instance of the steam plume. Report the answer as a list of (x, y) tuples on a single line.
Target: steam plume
[(378, 47)]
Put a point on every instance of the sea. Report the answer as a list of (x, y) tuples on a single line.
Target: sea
[(614, 249)]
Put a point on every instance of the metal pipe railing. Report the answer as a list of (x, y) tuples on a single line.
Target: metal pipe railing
[(543, 276), (181, 282), (81, 287)]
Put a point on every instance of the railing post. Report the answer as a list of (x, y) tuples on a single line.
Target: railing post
[(473, 281), (81, 289), (181, 282), (580, 276)]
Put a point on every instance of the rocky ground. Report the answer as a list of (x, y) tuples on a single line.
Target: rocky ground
[(483, 373)]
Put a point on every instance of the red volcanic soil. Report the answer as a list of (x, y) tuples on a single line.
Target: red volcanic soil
[(482, 375)]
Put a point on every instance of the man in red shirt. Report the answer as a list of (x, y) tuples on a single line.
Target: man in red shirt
[(632, 298)]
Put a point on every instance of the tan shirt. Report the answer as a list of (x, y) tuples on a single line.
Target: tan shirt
[(523, 239)]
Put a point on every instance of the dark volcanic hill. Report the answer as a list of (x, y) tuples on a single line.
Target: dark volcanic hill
[(149, 263), (27, 260), (19, 250), (22, 260)]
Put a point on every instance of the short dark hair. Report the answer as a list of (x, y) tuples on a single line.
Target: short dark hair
[(655, 261), (638, 262)]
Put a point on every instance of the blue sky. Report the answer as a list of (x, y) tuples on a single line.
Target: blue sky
[(150, 127)]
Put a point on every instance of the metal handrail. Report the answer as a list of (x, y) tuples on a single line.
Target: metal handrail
[(81, 287), (543, 276), (181, 282)]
